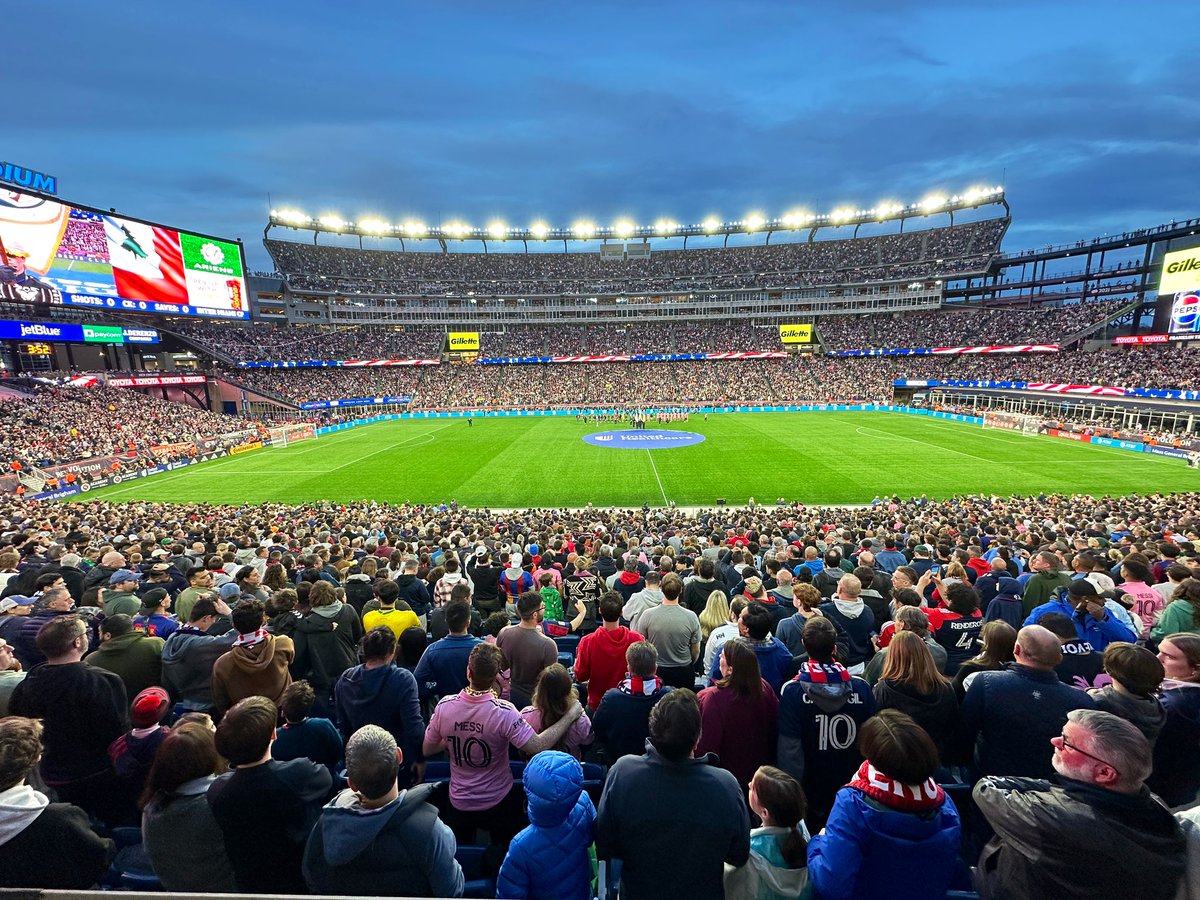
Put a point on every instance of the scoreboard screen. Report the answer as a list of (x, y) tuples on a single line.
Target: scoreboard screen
[(55, 252), (1179, 291)]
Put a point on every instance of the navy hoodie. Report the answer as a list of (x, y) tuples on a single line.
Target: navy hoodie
[(385, 696)]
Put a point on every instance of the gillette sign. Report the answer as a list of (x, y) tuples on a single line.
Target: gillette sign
[(69, 332)]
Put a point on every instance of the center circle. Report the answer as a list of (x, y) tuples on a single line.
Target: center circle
[(632, 439)]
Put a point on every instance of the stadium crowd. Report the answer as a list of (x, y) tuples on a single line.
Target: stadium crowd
[(932, 253), (265, 342), (365, 699)]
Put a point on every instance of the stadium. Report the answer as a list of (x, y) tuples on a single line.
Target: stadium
[(741, 452)]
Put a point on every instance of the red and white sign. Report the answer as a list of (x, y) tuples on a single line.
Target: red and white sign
[(995, 348), (1092, 389), (156, 380), (390, 362)]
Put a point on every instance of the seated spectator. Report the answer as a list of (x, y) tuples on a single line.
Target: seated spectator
[(133, 656), (302, 736), (640, 811), (1136, 675), (264, 808), (553, 695), (1008, 715), (622, 720), (549, 859), (891, 812), (133, 753), (477, 726), (778, 864), (739, 714), (912, 683), (1098, 800), (375, 839), (1176, 777), (600, 659), (77, 734), (190, 652), (823, 701), (379, 692), (996, 641), (258, 663), (179, 833), (43, 845)]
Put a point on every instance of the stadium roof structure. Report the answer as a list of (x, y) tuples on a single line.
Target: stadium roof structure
[(625, 230)]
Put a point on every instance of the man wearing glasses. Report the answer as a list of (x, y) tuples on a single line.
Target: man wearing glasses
[(1095, 832)]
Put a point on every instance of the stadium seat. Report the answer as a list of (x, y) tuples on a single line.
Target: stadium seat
[(609, 879), (568, 643), (437, 770), (471, 857), (593, 780)]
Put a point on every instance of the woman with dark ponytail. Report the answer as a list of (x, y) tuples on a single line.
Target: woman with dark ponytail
[(777, 867)]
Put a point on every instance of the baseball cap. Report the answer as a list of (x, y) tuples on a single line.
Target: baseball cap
[(923, 549), (230, 590), (13, 602), (124, 575), (481, 551), (1081, 588), (152, 598), (159, 568)]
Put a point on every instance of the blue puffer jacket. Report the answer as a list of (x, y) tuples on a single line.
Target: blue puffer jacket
[(549, 859)]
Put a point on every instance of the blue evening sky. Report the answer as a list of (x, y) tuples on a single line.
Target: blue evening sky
[(190, 114)]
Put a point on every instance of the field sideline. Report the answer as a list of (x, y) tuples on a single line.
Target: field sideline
[(815, 457)]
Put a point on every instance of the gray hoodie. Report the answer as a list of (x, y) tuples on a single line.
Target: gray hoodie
[(646, 598)]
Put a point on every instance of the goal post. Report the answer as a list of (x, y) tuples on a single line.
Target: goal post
[(282, 435), (1018, 422)]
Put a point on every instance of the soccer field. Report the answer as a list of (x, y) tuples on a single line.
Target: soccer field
[(815, 457)]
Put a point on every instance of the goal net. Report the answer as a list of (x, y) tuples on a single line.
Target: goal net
[(282, 435), (1013, 422)]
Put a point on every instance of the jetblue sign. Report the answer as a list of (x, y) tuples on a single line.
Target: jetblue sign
[(28, 178), (643, 440)]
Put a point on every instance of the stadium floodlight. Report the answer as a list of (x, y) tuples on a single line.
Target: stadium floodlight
[(416, 229), (333, 222), (797, 218), (935, 201), (842, 214), (457, 229), (665, 226), (624, 228), (498, 230), (539, 229), (583, 229), (711, 224), (754, 221), (376, 226), (294, 216)]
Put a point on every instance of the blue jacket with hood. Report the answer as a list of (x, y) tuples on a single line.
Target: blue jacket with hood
[(549, 859), (385, 696)]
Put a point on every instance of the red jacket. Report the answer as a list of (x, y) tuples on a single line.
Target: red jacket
[(600, 660)]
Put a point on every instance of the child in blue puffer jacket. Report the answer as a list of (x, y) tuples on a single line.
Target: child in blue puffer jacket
[(550, 858)]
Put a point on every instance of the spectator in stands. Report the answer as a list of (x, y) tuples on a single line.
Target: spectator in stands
[(1176, 778), (121, 597), (854, 621), (649, 597), (1136, 675), (55, 603), (326, 643), (134, 656), (398, 620), (1182, 613), (379, 692), (258, 663), (445, 584), (153, 618), (1083, 605), (622, 720), (264, 808), (442, 670), (549, 858), (553, 695), (42, 844), (179, 833), (302, 736), (477, 725), (1098, 801), (911, 619), (527, 650), (1048, 577), (675, 633), (200, 585), (483, 573), (11, 674), (77, 733), (774, 658), (710, 823), (377, 839), (190, 652), (1009, 716), (600, 659), (823, 699), (739, 714), (912, 683), (1081, 667), (778, 864), (1006, 604), (996, 642), (890, 813)]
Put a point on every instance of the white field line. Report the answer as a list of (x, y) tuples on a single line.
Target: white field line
[(359, 459), (656, 478), (1013, 438), (861, 429)]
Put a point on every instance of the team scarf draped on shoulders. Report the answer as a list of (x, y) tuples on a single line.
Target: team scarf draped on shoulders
[(641, 687), (249, 640), (885, 790), (823, 673)]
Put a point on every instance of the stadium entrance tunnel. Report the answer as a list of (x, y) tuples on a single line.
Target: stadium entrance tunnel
[(643, 440)]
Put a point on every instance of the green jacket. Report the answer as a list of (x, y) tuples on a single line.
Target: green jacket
[(1177, 617), (1041, 587), (135, 658), (120, 603)]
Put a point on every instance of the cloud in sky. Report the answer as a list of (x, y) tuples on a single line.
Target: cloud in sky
[(527, 110)]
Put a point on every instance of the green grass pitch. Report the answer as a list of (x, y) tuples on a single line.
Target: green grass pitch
[(815, 457)]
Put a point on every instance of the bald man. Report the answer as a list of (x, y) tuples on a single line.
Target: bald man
[(1010, 716)]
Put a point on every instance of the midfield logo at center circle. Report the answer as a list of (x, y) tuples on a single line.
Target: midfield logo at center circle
[(643, 440)]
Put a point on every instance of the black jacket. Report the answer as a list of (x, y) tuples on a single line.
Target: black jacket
[(57, 850), (326, 646), (937, 713), (854, 634), (414, 592), (622, 722)]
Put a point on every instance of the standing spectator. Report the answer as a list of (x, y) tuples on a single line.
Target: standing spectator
[(1048, 577), (256, 665), (376, 839), (1136, 674), (820, 713), (1176, 777), (622, 720), (708, 824), (326, 643), (912, 619), (200, 586), (553, 695), (630, 580), (890, 813), (398, 620), (912, 683), (121, 597), (996, 642), (42, 844), (264, 808), (153, 618), (957, 626), (739, 714), (134, 656), (1006, 604), (1083, 606), (445, 584), (514, 582), (484, 574), (649, 597), (189, 654), (11, 674), (774, 659), (302, 736), (413, 590), (675, 633), (527, 650), (778, 864), (1147, 603), (442, 670), (1098, 801), (55, 603), (855, 624), (1009, 716), (77, 733), (1182, 612), (600, 659), (583, 584)]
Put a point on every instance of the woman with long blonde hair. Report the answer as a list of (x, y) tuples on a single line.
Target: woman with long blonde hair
[(716, 613), (911, 683)]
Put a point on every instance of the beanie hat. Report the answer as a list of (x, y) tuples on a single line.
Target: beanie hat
[(149, 707), (230, 590)]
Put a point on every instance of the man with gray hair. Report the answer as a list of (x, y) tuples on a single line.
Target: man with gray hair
[(375, 839), (1009, 716), (1097, 832)]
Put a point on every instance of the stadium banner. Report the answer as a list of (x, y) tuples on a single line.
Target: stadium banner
[(795, 334), (1068, 435), (172, 450), (462, 341), (1097, 390), (330, 363), (1173, 452), (1180, 273), (357, 401), (67, 332), (155, 380), (73, 255), (1119, 444), (641, 357), (1154, 338), (950, 351), (246, 448)]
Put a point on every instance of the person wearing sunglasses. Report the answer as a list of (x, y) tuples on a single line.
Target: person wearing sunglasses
[(1093, 832)]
